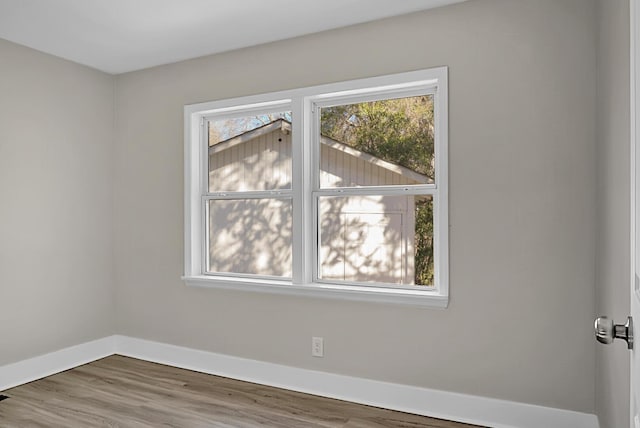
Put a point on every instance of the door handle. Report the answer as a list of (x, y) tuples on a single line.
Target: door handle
[(606, 331)]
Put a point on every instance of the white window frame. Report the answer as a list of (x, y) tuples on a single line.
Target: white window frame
[(304, 103)]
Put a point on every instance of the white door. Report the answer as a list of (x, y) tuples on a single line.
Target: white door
[(635, 265), (635, 208)]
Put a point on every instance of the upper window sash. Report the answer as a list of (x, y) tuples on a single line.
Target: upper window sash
[(318, 102)]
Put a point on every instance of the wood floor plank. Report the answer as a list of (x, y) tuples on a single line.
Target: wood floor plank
[(119, 392)]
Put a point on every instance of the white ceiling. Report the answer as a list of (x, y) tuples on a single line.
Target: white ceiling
[(117, 36)]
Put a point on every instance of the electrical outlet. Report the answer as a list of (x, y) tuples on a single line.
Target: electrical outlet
[(317, 346)]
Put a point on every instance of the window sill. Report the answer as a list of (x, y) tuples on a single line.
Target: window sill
[(418, 298)]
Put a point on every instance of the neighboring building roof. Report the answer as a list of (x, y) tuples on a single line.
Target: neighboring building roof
[(285, 127), (281, 124)]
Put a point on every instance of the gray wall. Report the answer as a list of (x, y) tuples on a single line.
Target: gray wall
[(56, 262), (522, 214), (612, 262)]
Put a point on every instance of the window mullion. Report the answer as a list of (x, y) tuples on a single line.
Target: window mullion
[(298, 188), (313, 125), (301, 193)]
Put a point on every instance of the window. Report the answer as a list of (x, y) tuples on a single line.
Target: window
[(337, 190)]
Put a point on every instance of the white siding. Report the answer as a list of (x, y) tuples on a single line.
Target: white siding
[(250, 236), (367, 239), (263, 163), (340, 169)]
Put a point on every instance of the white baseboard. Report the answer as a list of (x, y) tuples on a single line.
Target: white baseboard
[(55, 362), (423, 401), (439, 404)]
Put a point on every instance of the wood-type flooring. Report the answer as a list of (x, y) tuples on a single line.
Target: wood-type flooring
[(124, 392)]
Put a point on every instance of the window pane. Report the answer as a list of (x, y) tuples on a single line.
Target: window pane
[(250, 153), (376, 239), (377, 143), (250, 236)]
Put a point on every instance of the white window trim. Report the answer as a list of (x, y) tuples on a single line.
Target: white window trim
[(301, 102)]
